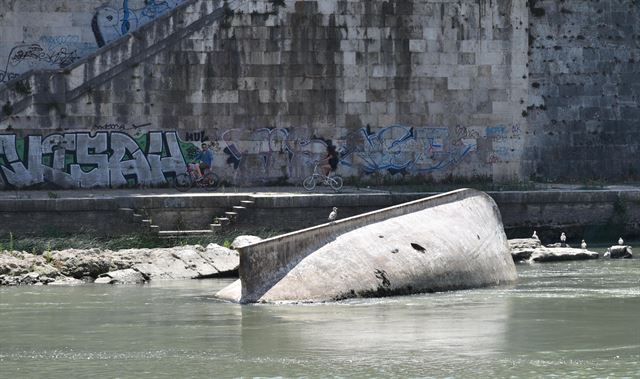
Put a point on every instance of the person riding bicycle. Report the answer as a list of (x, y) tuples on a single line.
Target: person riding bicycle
[(202, 161), (331, 160)]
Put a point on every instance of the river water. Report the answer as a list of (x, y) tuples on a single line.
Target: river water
[(561, 320)]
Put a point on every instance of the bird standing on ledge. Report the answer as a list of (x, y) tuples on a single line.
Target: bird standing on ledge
[(583, 245), (620, 241), (535, 235), (563, 238), (334, 214)]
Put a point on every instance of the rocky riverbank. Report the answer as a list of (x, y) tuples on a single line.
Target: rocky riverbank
[(74, 266), (531, 250), (123, 266)]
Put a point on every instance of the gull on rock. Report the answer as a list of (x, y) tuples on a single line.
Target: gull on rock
[(620, 241), (333, 214), (535, 235), (607, 253), (583, 245), (563, 238)]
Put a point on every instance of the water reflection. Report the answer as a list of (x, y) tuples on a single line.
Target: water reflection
[(565, 320)]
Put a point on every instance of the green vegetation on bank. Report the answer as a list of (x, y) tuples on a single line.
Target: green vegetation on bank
[(46, 244)]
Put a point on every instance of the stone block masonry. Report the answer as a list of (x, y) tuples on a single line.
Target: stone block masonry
[(583, 97), (402, 88), (508, 90)]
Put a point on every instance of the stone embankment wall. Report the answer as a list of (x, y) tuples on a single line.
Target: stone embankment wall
[(406, 89), (583, 111), (594, 215), (402, 88)]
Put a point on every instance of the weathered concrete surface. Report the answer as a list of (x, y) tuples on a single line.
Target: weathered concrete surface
[(445, 242)]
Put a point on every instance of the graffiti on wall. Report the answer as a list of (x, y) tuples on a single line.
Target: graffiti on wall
[(49, 52), (82, 160), (393, 149), (276, 151), (110, 23), (109, 157), (58, 51), (407, 150)]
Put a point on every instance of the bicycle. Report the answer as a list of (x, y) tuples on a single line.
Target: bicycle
[(185, 181), (310, 182)]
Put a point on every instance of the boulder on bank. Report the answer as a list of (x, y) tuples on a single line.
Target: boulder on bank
[(128, 275), (245, 240), (82, 263), (619, 252), (557, 254), (523, 248), (531, 250)]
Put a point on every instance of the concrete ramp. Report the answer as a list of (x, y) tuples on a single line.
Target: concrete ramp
[(450, 241)]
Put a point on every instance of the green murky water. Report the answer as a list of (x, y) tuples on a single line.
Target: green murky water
[(562, 320)]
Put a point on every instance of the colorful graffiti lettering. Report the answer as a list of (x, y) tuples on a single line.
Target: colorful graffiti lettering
[(109, 24), (82, 160), (402, 149)]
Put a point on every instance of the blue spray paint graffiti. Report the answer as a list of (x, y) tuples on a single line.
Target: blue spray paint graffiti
[(401, 149), (109, 24)]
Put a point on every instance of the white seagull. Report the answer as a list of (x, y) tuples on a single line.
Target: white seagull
[(563, 238), (333, 214), (607, 253), (535, 235), (583, 245), (620, 241)]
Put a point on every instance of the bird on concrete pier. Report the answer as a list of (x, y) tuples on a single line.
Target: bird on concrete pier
[(620, 241), (334, 214), (535, 235), (563, 238), (583, 245)]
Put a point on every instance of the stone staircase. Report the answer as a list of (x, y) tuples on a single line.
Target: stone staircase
[(230, 217), (146, 224), (43, 90), (220, 223)]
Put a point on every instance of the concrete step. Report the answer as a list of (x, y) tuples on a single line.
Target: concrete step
[(239, 208), (231, 215), (247, 203), (223, 220), (184, 233), (216, 227)]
